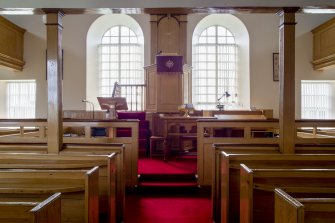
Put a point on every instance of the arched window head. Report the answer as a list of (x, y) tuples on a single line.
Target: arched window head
[(121, 59), (215, 77)]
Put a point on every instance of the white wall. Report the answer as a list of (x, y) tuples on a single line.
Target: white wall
[(34, 56), (263, 32)]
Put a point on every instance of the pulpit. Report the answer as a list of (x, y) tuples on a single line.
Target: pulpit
[(166, 85)]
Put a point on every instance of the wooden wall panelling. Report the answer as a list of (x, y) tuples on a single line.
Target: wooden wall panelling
[(324, 45), (168, 34), (11, 45)]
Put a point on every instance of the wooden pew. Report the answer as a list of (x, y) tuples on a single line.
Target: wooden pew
[(257, 188), (230, 131), (79, 188), (303, 210), (217, 175), (246, 150), (123, 171), (109, 201), (226, 194), (48, 210)]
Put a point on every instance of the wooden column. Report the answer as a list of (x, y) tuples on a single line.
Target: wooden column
[(53, 22), (183, 37), (287, 80), (153, 36)]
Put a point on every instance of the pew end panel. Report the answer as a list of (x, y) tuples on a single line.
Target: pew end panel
[(48, 210), (92, 195), (34, 210), (287, 209), (309, 208), (246, 205)]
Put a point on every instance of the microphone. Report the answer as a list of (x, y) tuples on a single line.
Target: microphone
[(91, 103)]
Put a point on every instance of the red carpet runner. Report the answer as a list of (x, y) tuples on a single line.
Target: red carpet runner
[(159, 202)]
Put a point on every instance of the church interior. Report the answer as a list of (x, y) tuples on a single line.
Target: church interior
[(167, 111)]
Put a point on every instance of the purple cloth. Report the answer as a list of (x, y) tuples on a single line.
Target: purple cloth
[(169, 64)]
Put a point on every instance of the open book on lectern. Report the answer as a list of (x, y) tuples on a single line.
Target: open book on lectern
[(120, 103)]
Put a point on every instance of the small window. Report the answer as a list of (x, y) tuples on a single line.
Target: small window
[(21, 99), (316, 99)]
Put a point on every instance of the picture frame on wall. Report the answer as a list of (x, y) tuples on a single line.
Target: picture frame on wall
[(275, 61)]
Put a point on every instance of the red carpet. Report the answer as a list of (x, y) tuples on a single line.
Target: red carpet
[(168, 193), (179, 165), (167, 209)]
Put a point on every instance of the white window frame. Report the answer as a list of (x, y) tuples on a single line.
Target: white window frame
[(316, 99), (21, 99), (218, 73), (121, 60)]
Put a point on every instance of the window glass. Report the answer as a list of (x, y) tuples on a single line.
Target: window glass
[(21, 99), (214, 66)]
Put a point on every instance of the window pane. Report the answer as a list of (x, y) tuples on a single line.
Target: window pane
[(21, 99), (121, 60), (216, 61)]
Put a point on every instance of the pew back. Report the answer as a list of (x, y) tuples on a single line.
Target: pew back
[(107, 173), (124, 174), (217, 173), (226, 196), (257, 188), (79, 189), (48, 210)]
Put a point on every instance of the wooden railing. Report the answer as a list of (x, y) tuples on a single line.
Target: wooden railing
[(134, 94), (76, 131), (308, 132), (315, 132), (230, 132)]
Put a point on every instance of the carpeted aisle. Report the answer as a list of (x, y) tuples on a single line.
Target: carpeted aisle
[(168, 193), (172, 166), (167, 209)]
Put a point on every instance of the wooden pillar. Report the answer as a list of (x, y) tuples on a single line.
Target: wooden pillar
[(153, 36), (287, 80), (183, 37), (53, 22)]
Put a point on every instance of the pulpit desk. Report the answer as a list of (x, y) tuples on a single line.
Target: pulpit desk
[(175, 127)]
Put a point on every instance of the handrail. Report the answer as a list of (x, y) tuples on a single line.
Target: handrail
[(134, 94)]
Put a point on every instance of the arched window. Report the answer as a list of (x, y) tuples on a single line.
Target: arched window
[(121, 60), (214, 63), (115, 53)]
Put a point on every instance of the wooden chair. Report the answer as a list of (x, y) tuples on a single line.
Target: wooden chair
[(154, 146)]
